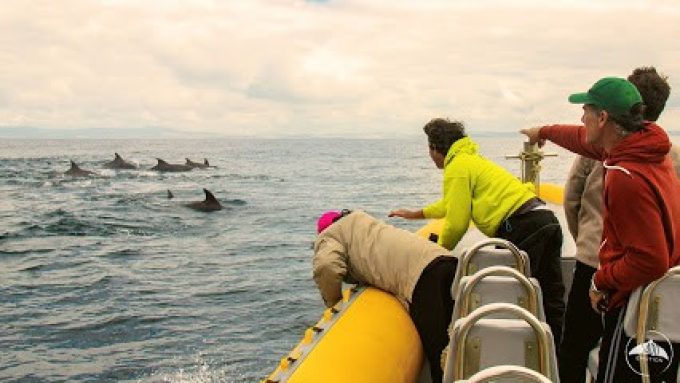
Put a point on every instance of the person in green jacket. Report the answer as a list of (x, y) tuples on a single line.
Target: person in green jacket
[(501, 206)]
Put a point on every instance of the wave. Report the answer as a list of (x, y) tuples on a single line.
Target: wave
[(234, 202)]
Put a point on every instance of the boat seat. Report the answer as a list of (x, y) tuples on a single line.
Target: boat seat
[(658, 308), (652, 314), (593, 361), (478, 342), (506, 373), (498, 284), (486, 253)]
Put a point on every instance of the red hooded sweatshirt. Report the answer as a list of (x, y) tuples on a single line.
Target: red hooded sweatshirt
[(641, 216)]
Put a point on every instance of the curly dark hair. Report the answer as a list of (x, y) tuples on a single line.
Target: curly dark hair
[(654, 89), (442, 133), (632, 121)]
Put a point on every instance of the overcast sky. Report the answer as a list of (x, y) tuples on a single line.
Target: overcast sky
[(322, 68)]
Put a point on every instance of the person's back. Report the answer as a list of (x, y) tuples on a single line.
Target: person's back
[(357, 248), (475, 189), (368, 251), (675, 158), (494, 193), (641, 173)]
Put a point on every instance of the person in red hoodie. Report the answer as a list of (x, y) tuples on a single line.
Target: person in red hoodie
[(583, 211), (640, 187)]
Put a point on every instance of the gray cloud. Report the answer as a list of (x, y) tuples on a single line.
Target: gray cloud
[(333, 68)]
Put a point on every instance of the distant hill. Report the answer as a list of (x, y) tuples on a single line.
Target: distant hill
[(94, 133)]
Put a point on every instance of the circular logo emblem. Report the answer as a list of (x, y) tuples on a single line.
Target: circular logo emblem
[(659, 351)]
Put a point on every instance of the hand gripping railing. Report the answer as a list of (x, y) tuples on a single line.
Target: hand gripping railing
[(473, 280), (519, 257), (542, 336), (493, 374), (646, 301)]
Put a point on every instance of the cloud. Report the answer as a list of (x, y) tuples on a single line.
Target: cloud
[(327, 68)]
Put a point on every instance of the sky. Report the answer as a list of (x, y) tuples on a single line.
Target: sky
[(345, 68)]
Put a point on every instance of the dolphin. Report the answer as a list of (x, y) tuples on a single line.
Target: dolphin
[(76, 171), (209, 204), (170, 195), (119, 163), (163, 166), (199, 165)]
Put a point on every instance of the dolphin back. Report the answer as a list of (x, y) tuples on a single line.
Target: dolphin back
[(119, 163), (209, 197), (76, 171), (209, 204)]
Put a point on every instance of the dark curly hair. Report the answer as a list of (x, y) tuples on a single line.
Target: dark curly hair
[(442, 133), (654, 89), (631, 122)]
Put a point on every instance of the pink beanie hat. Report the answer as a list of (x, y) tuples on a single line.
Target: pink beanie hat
[(326, 220)]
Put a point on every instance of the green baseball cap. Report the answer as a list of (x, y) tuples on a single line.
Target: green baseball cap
[(613, 94)]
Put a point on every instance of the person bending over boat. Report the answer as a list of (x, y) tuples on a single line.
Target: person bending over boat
[(640, 192), (583, 211), (500, 206), (357, 248)]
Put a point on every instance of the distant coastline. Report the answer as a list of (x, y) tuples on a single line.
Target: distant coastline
[(14, 132), (98, 133)]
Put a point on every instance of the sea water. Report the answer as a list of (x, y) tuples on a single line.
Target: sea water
[(105, 279)]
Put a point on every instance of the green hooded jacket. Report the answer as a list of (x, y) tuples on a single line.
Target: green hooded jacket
[(475, 189)]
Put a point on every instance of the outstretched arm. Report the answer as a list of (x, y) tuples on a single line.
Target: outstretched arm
[(408, 214), (570, 137)]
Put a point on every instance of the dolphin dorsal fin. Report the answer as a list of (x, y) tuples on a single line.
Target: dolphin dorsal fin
[(205, 162), (170, 195), (161, 161), (74, 166), (209, 196), (118, 156)]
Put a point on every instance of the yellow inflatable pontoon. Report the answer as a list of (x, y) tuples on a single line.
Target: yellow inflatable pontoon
[(368, 337)]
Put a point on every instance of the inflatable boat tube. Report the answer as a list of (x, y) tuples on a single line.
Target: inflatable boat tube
[(368, 337)]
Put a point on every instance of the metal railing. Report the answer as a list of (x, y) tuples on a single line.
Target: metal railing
[(531, 158)]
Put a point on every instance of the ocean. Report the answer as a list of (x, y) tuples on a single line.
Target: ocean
[(105, 279)]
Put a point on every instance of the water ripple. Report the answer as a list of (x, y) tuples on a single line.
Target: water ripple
[(104, 279)]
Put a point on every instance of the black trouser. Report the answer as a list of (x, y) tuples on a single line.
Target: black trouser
[(618, 362), (431, 310), (538, 232), (582, 327)]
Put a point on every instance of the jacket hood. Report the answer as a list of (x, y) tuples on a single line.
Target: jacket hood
[(463, 145), (648, 145)]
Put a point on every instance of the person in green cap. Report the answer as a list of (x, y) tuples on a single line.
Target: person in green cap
[(583, 212), (640, 185)]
